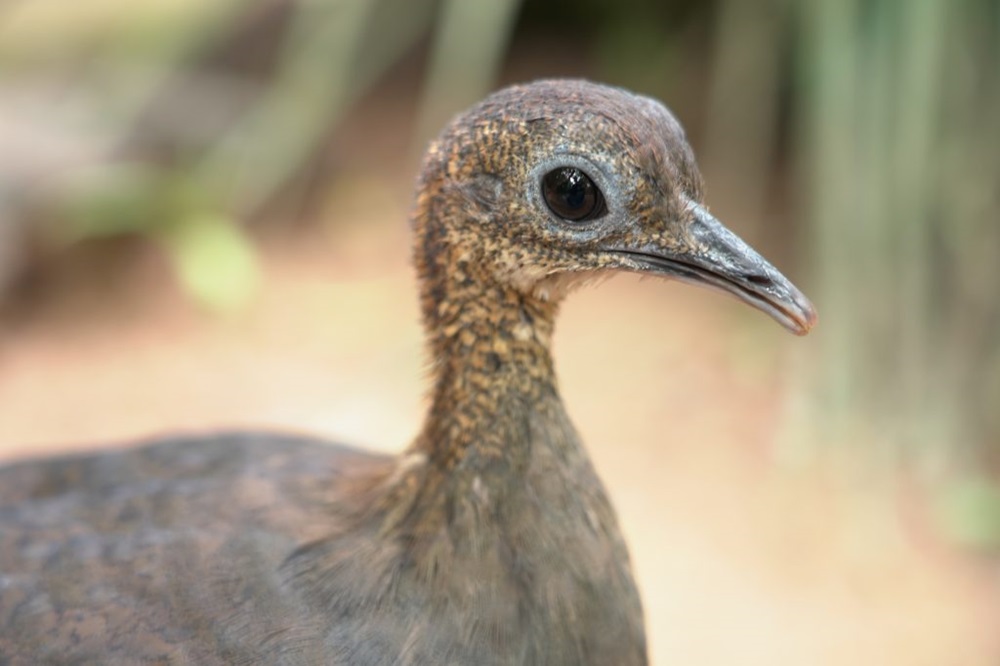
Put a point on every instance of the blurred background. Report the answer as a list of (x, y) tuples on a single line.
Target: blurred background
[(203, 224)]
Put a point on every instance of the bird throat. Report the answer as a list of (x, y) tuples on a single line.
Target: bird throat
[(492, 371), (496, 430)]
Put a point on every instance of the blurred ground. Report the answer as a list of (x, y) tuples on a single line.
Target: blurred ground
[(678, 393)]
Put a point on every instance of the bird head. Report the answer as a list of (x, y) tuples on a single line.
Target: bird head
[(541, 186)]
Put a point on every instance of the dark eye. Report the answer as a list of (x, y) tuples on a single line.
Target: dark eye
[(572, 195)]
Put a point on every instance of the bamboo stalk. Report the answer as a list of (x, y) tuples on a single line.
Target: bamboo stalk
[(329, 59), (828, 106), (742, 115), (923, 26), (254, 158), (470, 40)]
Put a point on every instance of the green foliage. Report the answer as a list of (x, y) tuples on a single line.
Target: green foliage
[(969, 512), (899, 105), (109, 201), (328, 55), (214, 260)]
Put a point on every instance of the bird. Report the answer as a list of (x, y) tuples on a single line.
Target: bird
[(490, 538)]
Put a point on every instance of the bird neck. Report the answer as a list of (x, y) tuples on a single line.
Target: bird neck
[(492, 367), (494, 398)]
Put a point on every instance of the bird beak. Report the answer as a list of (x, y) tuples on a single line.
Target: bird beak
[(714, 256)]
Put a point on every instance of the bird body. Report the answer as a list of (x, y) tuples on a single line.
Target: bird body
[(490, 540), (259, 549)]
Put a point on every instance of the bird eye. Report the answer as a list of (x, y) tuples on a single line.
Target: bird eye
[(572, 195)]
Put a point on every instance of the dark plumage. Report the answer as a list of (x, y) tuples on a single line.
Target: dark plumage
[(490, 540)]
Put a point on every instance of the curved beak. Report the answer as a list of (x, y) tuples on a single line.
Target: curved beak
[(713, 256)]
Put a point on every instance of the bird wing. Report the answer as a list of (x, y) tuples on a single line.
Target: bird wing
[(169, 551)]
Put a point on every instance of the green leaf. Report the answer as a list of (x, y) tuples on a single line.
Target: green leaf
[(215, 261)]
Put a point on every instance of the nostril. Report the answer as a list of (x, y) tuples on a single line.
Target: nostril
[(759, 280)]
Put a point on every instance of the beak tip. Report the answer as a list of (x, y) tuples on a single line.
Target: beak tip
[(806, 318)]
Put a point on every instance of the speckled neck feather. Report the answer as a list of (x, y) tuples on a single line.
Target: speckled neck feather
[(490, 350)]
